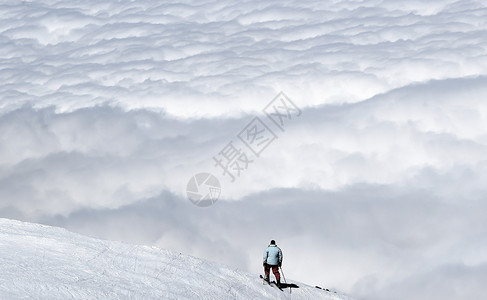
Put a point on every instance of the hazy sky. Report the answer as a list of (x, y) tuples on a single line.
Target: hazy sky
[(375, 184)]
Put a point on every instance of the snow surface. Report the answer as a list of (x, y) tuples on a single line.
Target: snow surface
[(42, 262)]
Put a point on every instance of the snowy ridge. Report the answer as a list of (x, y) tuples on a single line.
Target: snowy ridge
[(43, 262)]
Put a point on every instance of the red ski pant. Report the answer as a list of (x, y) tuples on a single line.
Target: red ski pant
[(275, 270)]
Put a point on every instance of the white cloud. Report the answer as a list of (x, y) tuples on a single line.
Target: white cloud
[(231, 57)]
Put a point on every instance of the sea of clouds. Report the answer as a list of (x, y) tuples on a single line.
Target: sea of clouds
[(378, 188)]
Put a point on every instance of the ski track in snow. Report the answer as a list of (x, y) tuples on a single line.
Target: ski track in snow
[(41, 262)]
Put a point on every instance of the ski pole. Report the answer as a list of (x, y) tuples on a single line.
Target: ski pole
[(284, 277)]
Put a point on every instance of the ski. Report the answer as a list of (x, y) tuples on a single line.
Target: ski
[(271, 283)]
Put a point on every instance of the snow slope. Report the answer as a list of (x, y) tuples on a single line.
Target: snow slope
[(43, 262)]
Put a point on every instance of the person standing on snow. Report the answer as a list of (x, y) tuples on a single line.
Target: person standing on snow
[(272, 259)]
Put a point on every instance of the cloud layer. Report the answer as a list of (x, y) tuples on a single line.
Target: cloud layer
[(107, 109), (211, 59)]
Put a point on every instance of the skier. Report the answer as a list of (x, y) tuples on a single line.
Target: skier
[(273, 259)]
